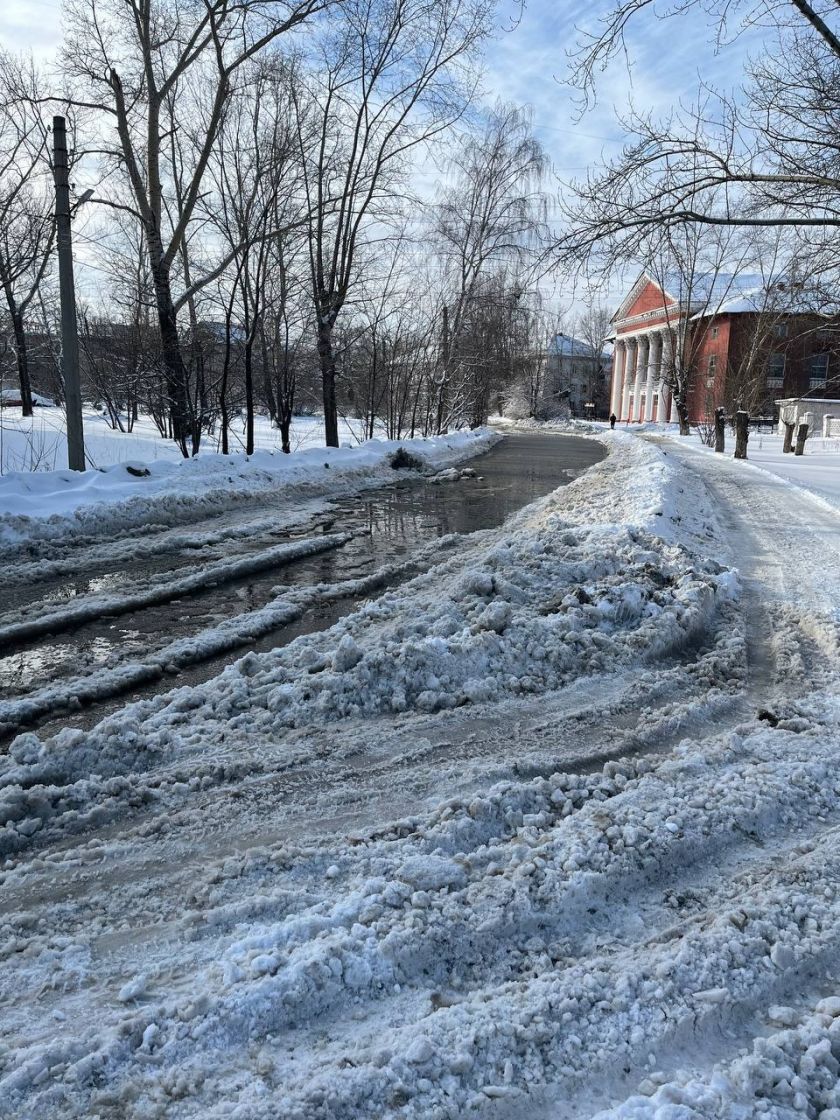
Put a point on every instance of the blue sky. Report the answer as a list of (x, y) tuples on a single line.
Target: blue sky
[(528, 65)]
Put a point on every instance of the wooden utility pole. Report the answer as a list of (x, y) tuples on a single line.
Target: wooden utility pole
[(720, 429), (67, 295), (742, 433)]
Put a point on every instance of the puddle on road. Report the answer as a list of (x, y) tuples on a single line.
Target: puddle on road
[(399, 520)]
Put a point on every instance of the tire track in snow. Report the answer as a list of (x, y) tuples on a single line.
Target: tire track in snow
[(503, 987), (233, 633), (164, 591)]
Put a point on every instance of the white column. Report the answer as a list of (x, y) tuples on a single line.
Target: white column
[(619, 362), (654, 362), (665, 372), (629, 372), (641, 374)]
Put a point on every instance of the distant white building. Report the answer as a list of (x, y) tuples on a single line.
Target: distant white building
[(577, 375)]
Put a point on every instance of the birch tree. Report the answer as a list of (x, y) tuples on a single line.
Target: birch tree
[(388, 79), (144, 63), (490, 216)]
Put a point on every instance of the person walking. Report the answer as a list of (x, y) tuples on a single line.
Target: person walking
[(613, 419)]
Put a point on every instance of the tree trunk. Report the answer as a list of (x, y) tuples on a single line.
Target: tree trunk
[(22, 364), (682, 416), (801, 436), (268, 386), (173, 362), (742, 433), (199, 414), (788, 444), (284, 423), (224, 417), (720, 430), (173, 359), (327, 360)]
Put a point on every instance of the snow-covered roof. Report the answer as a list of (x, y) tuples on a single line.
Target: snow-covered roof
[(779, 296), (567, 347), (726, 293), (694, 291), (711, 288)]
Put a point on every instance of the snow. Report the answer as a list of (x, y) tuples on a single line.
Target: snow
[(45, 505), (817, 470), (547, 831), (40, 443)]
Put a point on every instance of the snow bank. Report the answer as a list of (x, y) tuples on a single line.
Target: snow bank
[(512, 939), (603, 573), (42, 505), (816, 473)]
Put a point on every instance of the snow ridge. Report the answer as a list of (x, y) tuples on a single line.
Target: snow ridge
[(651, 939), (41, 507)]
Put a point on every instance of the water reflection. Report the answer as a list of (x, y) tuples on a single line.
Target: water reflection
[(397, 521)]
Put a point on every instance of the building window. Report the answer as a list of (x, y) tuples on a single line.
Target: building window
[(714, 332), (776, 371), (711, 371), (818, 369), (780, 330)]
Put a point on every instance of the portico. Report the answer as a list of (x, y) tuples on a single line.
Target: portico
[(641, 389), (646, 326)]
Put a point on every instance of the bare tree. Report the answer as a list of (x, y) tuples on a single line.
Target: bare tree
[(256, 179), (593, 327), (146, 63), (491, 215), (696, 270), (388, 80), (27, 227), (767, 160)]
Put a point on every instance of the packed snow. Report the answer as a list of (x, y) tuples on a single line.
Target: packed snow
[(548, 831), (817, 470)]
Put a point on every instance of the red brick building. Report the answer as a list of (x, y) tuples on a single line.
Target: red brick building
[(741, 344)]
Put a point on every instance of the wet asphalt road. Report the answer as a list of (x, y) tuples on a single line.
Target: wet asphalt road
[(399, 520)]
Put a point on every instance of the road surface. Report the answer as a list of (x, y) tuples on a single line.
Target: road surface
[(551, 991), (86, 596)]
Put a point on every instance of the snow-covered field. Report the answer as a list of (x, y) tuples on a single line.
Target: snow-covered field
[(549, 831), (39, 442)]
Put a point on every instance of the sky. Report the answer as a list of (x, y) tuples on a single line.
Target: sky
[(528, 65)]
